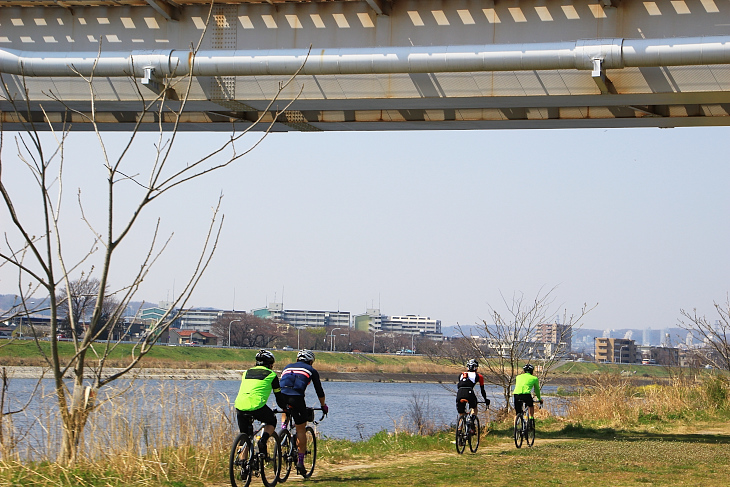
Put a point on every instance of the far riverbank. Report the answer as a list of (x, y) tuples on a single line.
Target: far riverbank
[(34, 372)]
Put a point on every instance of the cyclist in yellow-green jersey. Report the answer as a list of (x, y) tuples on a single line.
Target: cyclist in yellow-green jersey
[(522, 393), (257, 383)]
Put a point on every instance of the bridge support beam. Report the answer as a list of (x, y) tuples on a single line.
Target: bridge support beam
[(373, 64), (594, 54), (165, 8), (599, 76)]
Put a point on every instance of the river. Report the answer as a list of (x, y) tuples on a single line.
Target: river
[(358, 410)]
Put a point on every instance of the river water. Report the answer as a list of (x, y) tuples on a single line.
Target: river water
[(358, 410)]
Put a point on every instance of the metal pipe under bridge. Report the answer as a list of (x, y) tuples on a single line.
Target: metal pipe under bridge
[(367, 65)]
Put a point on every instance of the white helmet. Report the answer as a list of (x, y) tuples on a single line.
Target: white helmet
[(305, 356)]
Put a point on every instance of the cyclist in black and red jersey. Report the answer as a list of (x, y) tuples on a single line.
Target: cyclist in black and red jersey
[(467, 381)]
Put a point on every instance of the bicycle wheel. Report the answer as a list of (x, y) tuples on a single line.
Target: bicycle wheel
[(240, 462), (271, 464), (474, 438), (288, 454), (519, 421), (530, 431), (310, 459), (460, 435)]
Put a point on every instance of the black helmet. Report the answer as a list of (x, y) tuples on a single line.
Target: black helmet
[(265, 358), (528, 368), (305, 356), (472, 365)]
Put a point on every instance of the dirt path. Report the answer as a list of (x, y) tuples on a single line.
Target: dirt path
[(432, 457), (396, 461)]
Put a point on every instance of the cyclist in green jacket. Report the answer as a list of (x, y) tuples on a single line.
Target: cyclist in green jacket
[(257, 383), (524, 384)]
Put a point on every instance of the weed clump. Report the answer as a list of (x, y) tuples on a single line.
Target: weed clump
[(613, 400)]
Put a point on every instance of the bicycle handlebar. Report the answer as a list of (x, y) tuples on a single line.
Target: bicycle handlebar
[(279, 411), (323, 414)]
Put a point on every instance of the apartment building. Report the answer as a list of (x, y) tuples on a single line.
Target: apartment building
[(304, 318), (199, 319), (368, 321), (617, 350), (660, 356), (556, 334), (410, 324)]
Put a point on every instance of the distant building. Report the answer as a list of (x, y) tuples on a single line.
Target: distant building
[(152, 316), (369, 321), (191, 337), (646, 338), (304, 318), (199, 319), (273, 311), (617, 350), (660, 356), (560, 336), (411, 324), (373, 320), (28, 325)]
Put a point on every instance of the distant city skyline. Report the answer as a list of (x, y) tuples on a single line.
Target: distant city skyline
[(439, 224)]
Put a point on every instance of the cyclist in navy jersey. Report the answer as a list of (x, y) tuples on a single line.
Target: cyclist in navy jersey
[(467, 381), (294, 381)]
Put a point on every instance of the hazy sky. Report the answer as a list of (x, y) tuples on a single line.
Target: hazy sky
[(442, 223)]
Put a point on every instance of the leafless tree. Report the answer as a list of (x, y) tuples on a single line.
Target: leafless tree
[(80, 299), (714, 335), (454, 352), (357, 340), (39, 250), (248, 330), (511, 339)]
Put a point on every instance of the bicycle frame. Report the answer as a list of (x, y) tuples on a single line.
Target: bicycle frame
[(524, 428), (290, 444), (246, 461), (468, 430)]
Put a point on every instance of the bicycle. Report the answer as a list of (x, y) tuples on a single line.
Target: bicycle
[(289, 445), (246, 461), (468, 430), (524, 428)]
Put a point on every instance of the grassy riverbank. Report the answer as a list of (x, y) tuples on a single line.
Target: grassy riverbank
[(613, 433), (683, 453), (25, 353)]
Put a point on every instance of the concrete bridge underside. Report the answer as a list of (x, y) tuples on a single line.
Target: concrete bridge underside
[(373, 64)]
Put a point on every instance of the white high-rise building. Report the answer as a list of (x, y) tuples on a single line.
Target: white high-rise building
[(411, 324), (646, 337), (199, 319), (300, 317)]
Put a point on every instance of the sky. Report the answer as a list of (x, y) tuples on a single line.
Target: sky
[(445, 224)]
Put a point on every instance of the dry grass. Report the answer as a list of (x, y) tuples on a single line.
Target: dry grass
[(133, 438), (616, 402), (137, 439)]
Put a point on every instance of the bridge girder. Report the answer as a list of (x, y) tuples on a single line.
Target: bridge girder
[(597, 95)]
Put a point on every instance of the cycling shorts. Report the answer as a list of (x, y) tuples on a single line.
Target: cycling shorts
[(468, 394), (297, 407), (245, 418), (523, 399)]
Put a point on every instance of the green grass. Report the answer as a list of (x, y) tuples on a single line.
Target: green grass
[(635, 370), (571, 457), (575, 456), (25, 352)]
